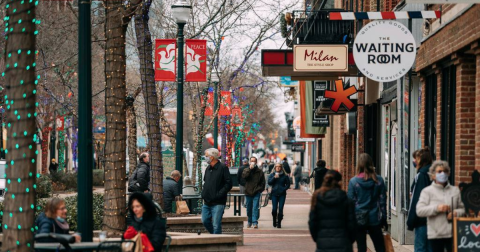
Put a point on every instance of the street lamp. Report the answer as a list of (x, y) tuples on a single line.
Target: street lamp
[(181, 13), (215, 79)]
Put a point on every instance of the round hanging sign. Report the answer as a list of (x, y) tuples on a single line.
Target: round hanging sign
[(384, 50)]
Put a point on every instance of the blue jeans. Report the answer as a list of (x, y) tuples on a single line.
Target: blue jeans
[(253, 204), (212, 218), (297, 183), (277, 203), (421, 240)]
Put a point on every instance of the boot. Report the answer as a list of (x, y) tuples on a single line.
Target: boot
[(279, 223), (274, 215)]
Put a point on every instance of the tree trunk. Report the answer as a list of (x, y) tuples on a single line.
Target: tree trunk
[(132, 136), (21, 99), (145, 53), (116, 121)]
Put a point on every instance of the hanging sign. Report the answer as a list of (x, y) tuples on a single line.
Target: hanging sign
[(441, 1), (298, 138), (384, 50), (60, 123), (320, 58), (298, 147), (196, 60), (165, 59), (319, 88), (209, 107), (225, 103)]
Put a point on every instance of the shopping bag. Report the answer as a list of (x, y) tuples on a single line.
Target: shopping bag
[(146, 244), (388, 242), (136, 241), (182, 207)]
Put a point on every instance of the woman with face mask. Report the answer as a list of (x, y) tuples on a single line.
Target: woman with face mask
[(440, 203), (280, 183), (54, 220)]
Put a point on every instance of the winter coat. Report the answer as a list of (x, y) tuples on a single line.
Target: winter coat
[(438, 226), (279, 185), (53, 168), (286, 167), (241, 180), (319, 173), (298, 172), (361, 192), (48, 225), (140, 178), (422, 180), (217, 184), (170, 191), (255, 181), (332, 222), (150, 224), (270, 168)]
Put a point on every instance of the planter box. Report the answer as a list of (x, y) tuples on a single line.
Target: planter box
[(204, 242), (230, 226)]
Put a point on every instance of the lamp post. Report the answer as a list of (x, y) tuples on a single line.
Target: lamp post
[(215, 80), (180, 12)]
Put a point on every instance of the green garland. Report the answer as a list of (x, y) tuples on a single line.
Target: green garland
[(61, 150)]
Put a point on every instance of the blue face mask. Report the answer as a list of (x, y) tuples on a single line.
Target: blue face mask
[(441, 177), (62, 220)]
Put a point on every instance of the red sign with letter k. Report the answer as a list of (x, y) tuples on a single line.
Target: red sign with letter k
[(340, 96)]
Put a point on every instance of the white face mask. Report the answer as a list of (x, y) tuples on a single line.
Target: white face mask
[(252, 163), (441, 177)]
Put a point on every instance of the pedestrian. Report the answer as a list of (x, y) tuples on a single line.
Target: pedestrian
[(140, 179), (298, 175), (271, 166), (440, 202), (280, 183), (332, 216), (286, 166), (144, 218), (53, 167), (422, 161), (241, 180), (217, 184), (254, 186), (368, 191), (188, 187), (171, 190), (265, 166), (54, 220), (318, 173)]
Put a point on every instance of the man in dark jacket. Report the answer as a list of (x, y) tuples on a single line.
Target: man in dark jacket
[(171, 189), (255, 184), (319, 173), (241, 180), (217, 184), (298, 175), (53, 168), (286, 166), (140, 179), (422, 161), (271, 166)]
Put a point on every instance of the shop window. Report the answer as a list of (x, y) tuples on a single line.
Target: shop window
[(431, 113), (447, 147)]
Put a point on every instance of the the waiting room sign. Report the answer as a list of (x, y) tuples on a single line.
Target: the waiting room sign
[(384, 50), (320, 58)]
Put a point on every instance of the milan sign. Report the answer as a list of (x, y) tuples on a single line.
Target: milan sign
[(196, 60), (165, 59), (384, 50)]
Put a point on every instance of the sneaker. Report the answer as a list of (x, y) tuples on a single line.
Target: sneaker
[(249, 225), (255, 226)]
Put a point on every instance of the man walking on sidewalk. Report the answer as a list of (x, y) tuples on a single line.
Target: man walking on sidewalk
[(254, 186), (298, 175), (215, 189)]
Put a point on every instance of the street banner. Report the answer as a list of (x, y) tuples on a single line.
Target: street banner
[(384, 50), (225, 103), (196, 60), (209, 107), (320, 58), (165, 59), (306, 106), (60, 123), (237, 118), (319, 88)]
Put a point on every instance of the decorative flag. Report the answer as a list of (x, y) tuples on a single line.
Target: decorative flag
[(196, 60), (236, 116), (165, 59), (225, 103), (209, 107), (60, 123)]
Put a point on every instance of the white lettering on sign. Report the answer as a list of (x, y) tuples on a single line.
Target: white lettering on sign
[(468, 244), (384, 50)]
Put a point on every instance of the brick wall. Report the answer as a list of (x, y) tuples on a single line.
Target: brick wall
[(438, 72), (421, 120), (465, 118), (453, 37), (476, 47)]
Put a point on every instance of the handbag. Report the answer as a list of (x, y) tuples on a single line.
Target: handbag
[(388, 242), (181, 206)]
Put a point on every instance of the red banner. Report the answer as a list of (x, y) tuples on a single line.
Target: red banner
[(225, 103), (209, 108), (196, 60), (237, 116), (60, 123), (165, 59)]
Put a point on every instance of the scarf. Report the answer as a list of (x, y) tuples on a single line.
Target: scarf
[(137, 219), (279, 173), (63, 225)]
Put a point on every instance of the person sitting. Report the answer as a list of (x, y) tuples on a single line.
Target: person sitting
[(144, 218), (188, 187), (54, 220), (171, 189)]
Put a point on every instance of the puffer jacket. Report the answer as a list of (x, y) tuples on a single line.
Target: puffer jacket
[(361, 192), (438, 226), (255, 181), (332, 221), (170, 191), (279, 185), (140, 178), (48, 225)]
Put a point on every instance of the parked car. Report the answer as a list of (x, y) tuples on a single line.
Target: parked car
[(2, 179)]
